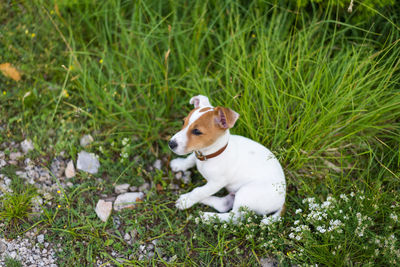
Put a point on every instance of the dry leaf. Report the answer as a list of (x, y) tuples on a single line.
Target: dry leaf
[(10, 71), (159, 187)]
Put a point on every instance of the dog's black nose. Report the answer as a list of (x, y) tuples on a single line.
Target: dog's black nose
[(172, 144)]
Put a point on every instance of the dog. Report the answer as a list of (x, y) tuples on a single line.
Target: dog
[(249, 171)]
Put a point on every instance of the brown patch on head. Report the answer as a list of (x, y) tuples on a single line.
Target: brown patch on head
[(187, 118), (210, 131), (211, 125)]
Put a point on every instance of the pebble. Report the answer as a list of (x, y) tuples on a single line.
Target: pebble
[(70, 170), (144, 187), (127, 200), (86, 140), (88, 162), (178, 175), (133, 188), (40, 238), (121, 188), (157, 164), (15, 155), (27, 146), (103, 210), (127, 237)]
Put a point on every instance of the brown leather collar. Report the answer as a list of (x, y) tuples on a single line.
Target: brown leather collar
[(202, 157)]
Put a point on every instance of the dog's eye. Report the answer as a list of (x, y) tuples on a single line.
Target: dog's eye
[(196, 132)]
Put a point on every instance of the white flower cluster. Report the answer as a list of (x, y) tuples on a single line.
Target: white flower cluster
[(363, 222), (318, 218), (125, 147)]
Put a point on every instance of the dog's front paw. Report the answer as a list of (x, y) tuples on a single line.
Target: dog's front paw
[(184, 202), (178, 164)]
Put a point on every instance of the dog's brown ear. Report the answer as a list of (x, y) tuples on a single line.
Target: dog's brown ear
[(225, 117)]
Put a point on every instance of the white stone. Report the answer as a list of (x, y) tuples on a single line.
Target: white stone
[(86, 140), (27, 145), (88, 162), (103, 210), (40, 238), (144, 187), (133, 188), (127, 200), (121, 188), (37, 200), (157, 164), (127, 237), (15, 155), (70, 170)]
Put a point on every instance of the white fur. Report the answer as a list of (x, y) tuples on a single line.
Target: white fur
[(248, 170)]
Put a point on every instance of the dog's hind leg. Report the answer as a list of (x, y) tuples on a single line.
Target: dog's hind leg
[(221, 204)]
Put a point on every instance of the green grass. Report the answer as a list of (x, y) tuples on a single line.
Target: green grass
[(319, 90)]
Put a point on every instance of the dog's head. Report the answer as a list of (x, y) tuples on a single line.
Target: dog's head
[(202, 127)]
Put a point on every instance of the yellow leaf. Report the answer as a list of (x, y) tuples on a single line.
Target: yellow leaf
[(10, 71)]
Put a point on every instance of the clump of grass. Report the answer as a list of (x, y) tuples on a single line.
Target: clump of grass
[(15, 209), (10, 262)]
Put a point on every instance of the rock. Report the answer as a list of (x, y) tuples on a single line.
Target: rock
[(157, 164), (2, 163), (27, 145), (3, 247), (127, 237), (40, 238), (69, 184), (268, 262), (127, 200), (70, 170), (121, 188), (37, 200), (144, 187), (86, 140), (186, 177), (178, 175), (88, 162), (103, 210), (15, 155), (133, 188)]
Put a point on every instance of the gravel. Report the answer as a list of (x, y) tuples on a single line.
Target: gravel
[(32, 249), (27, 252)]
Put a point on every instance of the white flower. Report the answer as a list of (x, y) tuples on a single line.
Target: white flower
[(321, 229), (296, 222), (125, 141), (393, 217), (291, 235), (298, 237), (298, 211)]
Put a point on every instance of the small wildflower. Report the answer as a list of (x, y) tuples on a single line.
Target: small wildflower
[(4, 92), (26, 32), (58, 192), (125, 141), (393, 217), (298, 211), (101, 61), (33, 35), (59, 206), (253, 35)]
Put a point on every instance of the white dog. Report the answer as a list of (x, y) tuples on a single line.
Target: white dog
[(248, 170)]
